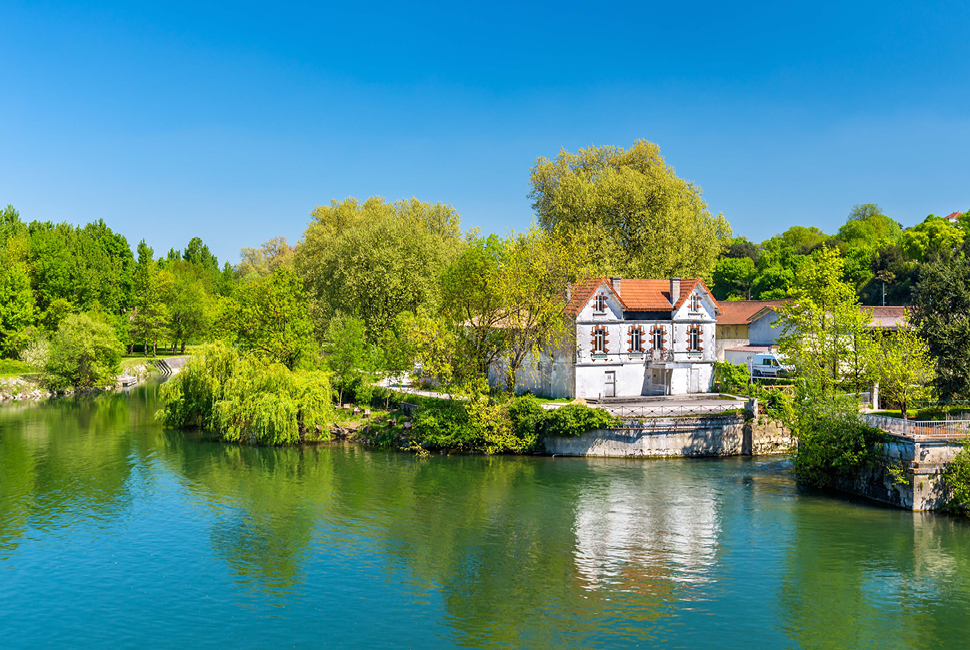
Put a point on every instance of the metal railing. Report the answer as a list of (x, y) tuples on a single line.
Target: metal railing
[(945, 430), (679, 411)]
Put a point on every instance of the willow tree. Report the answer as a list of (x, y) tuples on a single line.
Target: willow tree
[(643, 219), (375, 260)]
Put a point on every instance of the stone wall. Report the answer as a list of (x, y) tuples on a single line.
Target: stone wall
[(722, 435), (909, 475)]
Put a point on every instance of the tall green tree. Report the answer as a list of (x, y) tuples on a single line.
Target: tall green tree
[(635, 200), (375, 260), (934, 236), (941, 315), (532, 281), (149, 320), (16, 307), (734, 278), (472, 300), (904, 367), (349, 355), (824, 333), (272, 320), (190, 310)]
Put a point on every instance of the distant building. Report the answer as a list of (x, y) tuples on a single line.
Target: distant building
[(760, 325), (953, 216), (735, 321)]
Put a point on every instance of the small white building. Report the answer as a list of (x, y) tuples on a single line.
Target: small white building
[(627, 338)]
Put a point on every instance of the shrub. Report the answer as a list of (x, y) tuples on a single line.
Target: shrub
[(957, 479), (83, 354), (731, 377), (37, 353), (577, 419), (527, 418), (832, 447)]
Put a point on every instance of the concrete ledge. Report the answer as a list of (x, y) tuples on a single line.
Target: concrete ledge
[(703, 436)]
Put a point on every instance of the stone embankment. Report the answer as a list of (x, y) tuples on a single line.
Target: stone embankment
[(908, 474), (716, 435), (17, 389)]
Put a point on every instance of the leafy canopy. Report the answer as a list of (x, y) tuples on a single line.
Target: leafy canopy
[(646, 222)]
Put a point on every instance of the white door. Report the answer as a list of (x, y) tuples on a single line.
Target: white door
[(610, 389), (695, 380)]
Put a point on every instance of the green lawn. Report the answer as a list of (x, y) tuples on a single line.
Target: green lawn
[(13, 368)]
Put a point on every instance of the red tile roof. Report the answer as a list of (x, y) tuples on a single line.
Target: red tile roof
[(637, 294), (739, 312), (887, 317), (953, 216)]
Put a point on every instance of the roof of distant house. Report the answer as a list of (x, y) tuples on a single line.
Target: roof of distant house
[(636, 294), (953, 216), (739, 312), (887, 317)]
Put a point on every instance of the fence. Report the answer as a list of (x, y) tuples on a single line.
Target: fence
[(944, 430)]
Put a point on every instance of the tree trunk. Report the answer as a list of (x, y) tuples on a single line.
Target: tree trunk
[(183, 346)]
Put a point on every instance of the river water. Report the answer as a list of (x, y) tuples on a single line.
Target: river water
[(116, 533)]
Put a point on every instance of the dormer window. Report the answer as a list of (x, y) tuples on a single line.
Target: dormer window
[(695, 303), (600, 302)]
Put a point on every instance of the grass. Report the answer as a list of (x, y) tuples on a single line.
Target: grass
[(10, 368), (892, 413)]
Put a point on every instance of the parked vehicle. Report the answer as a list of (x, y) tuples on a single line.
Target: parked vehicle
[(769, 365)]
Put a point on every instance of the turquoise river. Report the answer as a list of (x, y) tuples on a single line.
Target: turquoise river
[(116, 533)]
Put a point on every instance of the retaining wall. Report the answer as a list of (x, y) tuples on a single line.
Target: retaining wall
[(720, 435), (909, 476)]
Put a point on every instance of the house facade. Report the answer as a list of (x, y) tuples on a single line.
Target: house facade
[(628, 338)]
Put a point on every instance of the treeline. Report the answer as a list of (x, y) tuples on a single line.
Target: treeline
[(879, 256), (50, 271)]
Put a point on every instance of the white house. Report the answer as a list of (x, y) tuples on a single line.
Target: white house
[(628, 337)]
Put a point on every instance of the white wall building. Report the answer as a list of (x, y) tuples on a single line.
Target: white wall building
[(628, 338)]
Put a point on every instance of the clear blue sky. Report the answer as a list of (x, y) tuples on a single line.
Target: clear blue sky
[(231, 121)]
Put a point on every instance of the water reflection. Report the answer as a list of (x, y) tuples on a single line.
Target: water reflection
[(645, 530), (62, 460)]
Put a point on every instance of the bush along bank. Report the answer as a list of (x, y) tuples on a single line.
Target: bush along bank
[(834, 445), (486, 424)]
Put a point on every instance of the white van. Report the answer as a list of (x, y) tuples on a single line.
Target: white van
[(769, 365)]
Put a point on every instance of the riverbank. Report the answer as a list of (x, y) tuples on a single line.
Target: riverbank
[(29, 387)]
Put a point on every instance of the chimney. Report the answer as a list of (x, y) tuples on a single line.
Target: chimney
[(674, 291), (615, 282), (569, 292)]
